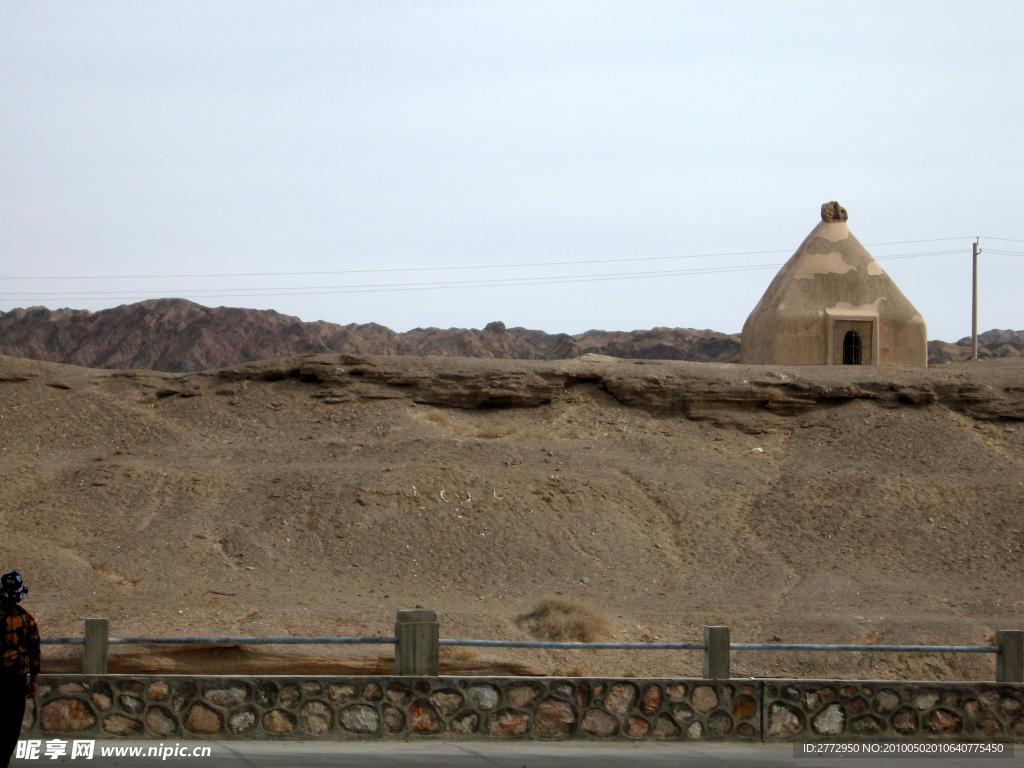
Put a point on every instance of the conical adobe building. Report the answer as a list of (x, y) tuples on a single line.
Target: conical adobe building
[(833, 304)]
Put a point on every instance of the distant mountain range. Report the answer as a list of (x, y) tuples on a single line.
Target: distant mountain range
[(179, 336)]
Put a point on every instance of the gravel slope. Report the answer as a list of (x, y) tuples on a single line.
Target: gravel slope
[(317, 495)]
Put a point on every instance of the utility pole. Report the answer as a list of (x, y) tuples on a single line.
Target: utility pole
[(974, 304)]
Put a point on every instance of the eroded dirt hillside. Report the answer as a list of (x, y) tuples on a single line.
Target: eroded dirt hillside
[(317, 495)]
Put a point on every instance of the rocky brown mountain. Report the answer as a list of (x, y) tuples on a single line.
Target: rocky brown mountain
[(991, 344), (179, 336)]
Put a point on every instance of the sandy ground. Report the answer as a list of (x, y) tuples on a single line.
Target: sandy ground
[(256, 508)]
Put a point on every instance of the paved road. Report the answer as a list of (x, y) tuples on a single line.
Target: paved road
[(261, 754)]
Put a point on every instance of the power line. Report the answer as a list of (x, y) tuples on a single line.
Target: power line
[(300, 290), (374, 287), (450, 268), (429, 286), (403, 269)]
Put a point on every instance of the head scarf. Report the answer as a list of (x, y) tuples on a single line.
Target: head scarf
[(11, 588)]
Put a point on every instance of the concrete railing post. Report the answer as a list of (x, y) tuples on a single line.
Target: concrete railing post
[(416, 636), (94, 660), (1010, 658), (716, 654)]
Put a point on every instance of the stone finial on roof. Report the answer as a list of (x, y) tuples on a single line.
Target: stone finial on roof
[(833, 212)]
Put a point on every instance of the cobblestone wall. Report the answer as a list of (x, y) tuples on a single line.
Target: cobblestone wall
[(394, 707), (815, 710), (161, 707)]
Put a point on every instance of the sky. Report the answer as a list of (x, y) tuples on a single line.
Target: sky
[(554, 165)]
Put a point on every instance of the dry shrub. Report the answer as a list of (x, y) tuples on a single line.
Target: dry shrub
[(443, 420), (440, 418), (457, 654), (560, 620)]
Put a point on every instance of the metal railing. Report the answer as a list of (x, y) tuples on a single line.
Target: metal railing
[(416, 641), (868, 648)]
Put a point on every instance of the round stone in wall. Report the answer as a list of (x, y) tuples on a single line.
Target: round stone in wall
[(665, 727), (183, 694), (290, 695), (158, 690), (941, 722), (866, 725), (29, 718), (341, 693), (783, 721), (266, 694), (650, 700), (278, 721), (201, 719), (637, 727), (521, 695), (682, 713), (398, 694), (508, 724), (719, 723), (484, 697), (886, 701), (553, 719), (597, 722), (360, 718), (987, 725), (565, 690), (119, 725), (66, 716), (131, 704), (904, 722), (242, 721), (102, 696), (423, 718), (831, 721), (447, 701), (230, 696), (676, 692), (1017, 729), (465, 723), (704, 698), (743, 707), (372, 692), (316, 718), (394, 719), (620, 698), (160, 722)]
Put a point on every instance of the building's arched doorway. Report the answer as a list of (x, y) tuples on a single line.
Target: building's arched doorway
[(853, 342), (852, 349)]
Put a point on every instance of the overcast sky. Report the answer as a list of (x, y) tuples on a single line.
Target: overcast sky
[(181, 139)]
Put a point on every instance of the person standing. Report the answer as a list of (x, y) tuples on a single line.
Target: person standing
[(19, 642)]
